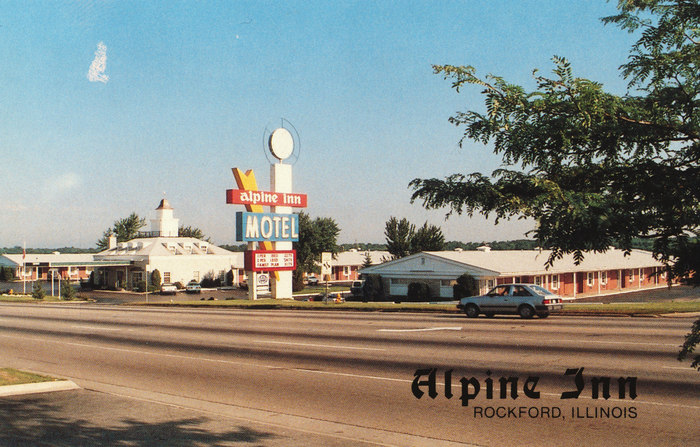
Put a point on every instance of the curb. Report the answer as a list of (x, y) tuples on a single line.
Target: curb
[(34, 388)]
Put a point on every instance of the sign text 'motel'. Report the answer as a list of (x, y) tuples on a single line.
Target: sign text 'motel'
[(265, 198), (274, 227)]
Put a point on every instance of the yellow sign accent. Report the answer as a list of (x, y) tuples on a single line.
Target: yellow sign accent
[(247, 182)]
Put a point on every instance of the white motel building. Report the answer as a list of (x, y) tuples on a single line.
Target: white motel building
[(597, 274), (178, 259)]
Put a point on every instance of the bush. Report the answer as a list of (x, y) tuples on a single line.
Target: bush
[(7, 274), (209, 281), (466, 285), (67, 291), (373, 289), (155, 278), (38, 291), (179, 285), (418, 291), (141, 286), (229, 278)]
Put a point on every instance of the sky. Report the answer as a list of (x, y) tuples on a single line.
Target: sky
[(106, 107)]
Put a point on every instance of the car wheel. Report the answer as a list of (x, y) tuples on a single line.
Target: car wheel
[(471, 311), (526, 312), (489, 314), (543, 315)]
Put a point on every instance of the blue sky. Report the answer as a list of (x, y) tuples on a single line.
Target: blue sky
[(188, 89)]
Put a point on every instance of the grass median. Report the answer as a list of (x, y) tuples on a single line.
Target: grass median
[(653, 308), (10, 376)]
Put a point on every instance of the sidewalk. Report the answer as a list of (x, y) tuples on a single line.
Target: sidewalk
[(115, 415)]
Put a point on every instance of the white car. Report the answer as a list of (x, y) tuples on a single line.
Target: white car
[(168, 289)]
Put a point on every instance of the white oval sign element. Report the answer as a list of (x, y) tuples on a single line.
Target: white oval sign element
[(281, 143)]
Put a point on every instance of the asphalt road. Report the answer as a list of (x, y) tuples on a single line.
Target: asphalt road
[(350, 374)]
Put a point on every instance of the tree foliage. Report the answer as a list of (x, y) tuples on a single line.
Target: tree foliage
[(402, 238), (315, 237), (594, 168), (67, 291), (427, 238), (38, 292), (398, 235), (194, 232), (124, 229), (156, 278)]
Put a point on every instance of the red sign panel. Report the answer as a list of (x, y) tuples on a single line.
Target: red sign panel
[(270, 261), (265, 198)]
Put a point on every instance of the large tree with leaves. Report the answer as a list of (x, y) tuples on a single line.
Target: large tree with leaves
[(315, 237), (595, 169), (124, 229), (398, 234), (427, 238)]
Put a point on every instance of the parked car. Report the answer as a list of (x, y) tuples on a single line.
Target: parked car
[(168, 289), (312, 280), (357, 289), (193, 287), (526, 300)]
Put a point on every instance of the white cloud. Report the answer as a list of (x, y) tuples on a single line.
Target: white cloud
[(96, 73), (63, 183)]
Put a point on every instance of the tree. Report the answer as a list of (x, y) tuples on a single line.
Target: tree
[(595, 169), (38, 291), (315, 237), (124, 229), (427, 238), (193, 232), (367, 262), (67, 291), (398, 237), (156, 278), (466, 285)]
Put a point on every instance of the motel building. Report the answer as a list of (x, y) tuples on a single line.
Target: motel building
[(346, 265), (598, 273), (178, 259), (44, 267)]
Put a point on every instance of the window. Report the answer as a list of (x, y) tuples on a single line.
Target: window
[(195, 276), (448, 282), (166, 277), (400, 281), (591, 279), (520, 291), (490, 284), (346, 270), (604, 278), (555, 282), (538, 280)]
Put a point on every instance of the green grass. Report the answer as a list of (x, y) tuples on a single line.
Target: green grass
[(659, 307), (622, 308), (9, 376), (321, 289), (27, 299), (293, 304)]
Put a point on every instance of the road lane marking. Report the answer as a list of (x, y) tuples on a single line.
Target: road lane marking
[(276, 367), (426, 329), (95, 328), (314, 345)]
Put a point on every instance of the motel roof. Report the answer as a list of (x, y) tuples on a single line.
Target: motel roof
[(526, 262)]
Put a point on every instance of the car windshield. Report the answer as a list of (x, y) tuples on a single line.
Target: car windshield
[(541, 290)]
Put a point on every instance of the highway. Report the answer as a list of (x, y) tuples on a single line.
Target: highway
[(352, 373)]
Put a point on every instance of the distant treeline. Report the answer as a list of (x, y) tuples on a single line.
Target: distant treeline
[(518, 244), (17, 250)]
